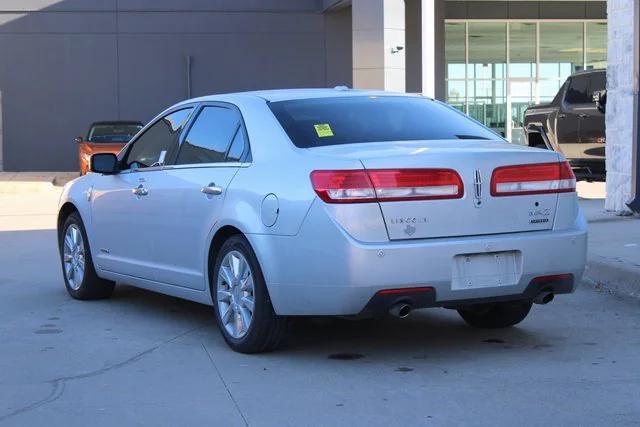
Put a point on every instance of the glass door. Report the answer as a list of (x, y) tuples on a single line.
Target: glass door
[(522, 94)]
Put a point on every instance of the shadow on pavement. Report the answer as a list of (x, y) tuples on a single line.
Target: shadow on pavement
[(424, 331)]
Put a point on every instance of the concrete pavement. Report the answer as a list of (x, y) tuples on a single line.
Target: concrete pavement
[(614, 243), (144, 358), (614, 249), (29, 182)]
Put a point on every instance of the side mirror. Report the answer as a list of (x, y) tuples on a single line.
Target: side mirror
[(78, 139), (104, 163), (600, 99)]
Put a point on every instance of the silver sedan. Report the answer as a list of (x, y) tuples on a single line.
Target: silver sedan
[(283, 203)]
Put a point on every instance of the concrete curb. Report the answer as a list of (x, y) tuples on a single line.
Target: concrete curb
[(21, 187), (20, 183), (618, 276)]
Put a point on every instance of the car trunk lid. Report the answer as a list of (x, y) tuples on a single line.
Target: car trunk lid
[(474, 212)]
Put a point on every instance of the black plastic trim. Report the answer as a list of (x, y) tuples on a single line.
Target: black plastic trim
[(380, 303)]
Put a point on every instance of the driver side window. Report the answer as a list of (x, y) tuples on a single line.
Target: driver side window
[(152, 146), (577, 92)]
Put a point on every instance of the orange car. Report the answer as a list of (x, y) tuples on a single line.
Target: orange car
[(105, 137)]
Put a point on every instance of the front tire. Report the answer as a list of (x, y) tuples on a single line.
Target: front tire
[(241, 302), (80, 276), (496, 315)]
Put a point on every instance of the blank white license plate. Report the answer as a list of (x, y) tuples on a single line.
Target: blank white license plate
[(488, 270)]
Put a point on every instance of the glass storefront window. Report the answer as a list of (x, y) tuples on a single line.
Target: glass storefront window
[(522, 49), (487, 51), (596, 45), (457, 94), (511, 65), (522, 72), (486, 71), (454, 50), (487, 102), (561, 49), (547, 90)]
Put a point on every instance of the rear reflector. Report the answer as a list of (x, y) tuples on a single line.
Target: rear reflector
[(386, 185), (404, 291), (538, 178), (554, 278)]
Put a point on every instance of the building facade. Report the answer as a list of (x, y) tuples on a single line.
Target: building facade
[(497, 68), (67, 63)]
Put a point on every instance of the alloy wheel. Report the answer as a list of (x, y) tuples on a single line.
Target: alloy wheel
[(235, 294), (74, 256)]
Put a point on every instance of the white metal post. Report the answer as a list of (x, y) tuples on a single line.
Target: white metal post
[(428, 36)]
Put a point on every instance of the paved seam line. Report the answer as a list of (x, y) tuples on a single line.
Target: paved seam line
[(59, 384), (225, 384)]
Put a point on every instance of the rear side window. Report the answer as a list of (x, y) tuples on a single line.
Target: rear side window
[(578, 92), (210, 136), (598, 82), (238, 146), (350, 120), (151, 148)]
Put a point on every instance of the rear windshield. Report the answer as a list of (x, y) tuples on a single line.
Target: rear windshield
[(350, 120), (113, 132)]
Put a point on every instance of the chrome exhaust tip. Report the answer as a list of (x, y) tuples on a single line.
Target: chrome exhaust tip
[(400, 310), (543, 298)]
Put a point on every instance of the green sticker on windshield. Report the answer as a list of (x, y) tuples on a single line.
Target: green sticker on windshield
[(323, 130)]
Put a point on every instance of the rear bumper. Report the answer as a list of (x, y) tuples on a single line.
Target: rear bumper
[(427, 297), (324, 271)]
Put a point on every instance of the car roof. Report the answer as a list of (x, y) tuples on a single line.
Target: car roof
[(290, 94), (275, 95), (117, 122), (585, 72)]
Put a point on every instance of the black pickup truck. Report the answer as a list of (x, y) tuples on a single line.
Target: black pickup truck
[(573, 123)]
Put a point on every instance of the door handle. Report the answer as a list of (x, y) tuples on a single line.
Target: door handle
[(211, 190), (562, 116), (140, 191), (583, 115)]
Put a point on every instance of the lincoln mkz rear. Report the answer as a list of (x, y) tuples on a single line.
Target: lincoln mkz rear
[(274, 204)]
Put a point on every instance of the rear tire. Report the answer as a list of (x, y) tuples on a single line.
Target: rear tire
[(240, 296), (496, 315), (79, 274)]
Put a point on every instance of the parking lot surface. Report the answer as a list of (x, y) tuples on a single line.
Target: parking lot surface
[(145, 359)]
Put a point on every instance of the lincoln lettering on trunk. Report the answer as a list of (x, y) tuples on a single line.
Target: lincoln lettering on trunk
[(409, 220)]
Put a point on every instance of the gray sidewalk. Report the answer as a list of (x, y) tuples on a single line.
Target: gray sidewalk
[(614, 249), (25, 182)]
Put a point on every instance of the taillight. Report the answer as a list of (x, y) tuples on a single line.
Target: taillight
[(537, 178), (343, 186), (416, 184), (386, 185)]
